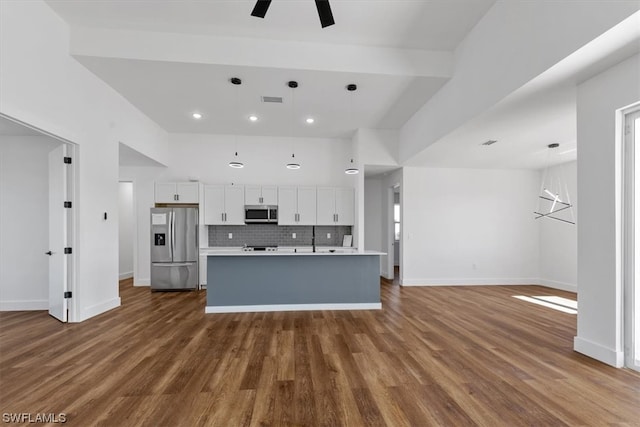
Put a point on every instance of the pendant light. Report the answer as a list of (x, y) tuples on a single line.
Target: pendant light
[(352, 169), (554, 201), (293, 164), (236, 163)]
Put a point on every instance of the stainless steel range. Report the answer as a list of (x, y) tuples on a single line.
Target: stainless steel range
[(252, 248)]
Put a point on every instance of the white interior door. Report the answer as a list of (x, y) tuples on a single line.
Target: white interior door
[(57, 234), (632, 240)]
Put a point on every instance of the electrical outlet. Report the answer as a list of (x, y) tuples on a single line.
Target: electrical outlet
[(474, 266), (293, 235), (328, 235), (231, 235)]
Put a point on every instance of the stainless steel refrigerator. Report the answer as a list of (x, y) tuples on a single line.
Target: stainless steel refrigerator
[(174, 249)]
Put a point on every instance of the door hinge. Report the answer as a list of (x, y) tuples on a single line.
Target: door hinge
[(68, 294), (68, 250), (67, 204), (67, 160)]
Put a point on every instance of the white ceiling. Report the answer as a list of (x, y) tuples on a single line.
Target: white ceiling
[(418, 24), (168, 91), (540, 113)]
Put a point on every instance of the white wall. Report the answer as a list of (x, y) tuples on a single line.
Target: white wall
[(206, 158), (44, 86), (558, 240), (469, 226), (24, 222), (491, 65), (126, 229), (599, 236), (373, 212)]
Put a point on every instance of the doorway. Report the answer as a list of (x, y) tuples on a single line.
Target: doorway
[(37, 220), (631, 235), (126, 230), (394, 234)]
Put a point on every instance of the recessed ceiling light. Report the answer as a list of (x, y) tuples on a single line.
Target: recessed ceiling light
[(310, 120), (293, 166), (253, 118), (196, 116)]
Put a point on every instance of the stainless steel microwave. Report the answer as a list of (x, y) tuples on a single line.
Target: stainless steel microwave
[(259, 213)]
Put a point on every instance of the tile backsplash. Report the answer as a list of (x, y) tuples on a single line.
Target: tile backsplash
[(273, 234)]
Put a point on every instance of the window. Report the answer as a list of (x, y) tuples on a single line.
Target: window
[(396, 220)]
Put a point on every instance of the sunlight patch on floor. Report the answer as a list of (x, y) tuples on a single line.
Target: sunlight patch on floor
[(557, 303)]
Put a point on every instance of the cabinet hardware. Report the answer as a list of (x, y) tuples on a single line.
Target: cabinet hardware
[(222, 217)]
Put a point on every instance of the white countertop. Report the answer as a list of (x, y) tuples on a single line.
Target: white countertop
[(304, 251)]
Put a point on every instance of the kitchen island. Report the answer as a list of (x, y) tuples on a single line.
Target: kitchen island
[(240, 281)]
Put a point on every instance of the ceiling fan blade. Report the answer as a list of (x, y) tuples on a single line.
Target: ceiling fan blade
[(324, 12), (261, 7)]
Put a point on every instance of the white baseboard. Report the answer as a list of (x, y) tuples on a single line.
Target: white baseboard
[(599, 352), (128, 275), (142, 282), (96, 309), (291, 307), (570, 287), (24, 305), (467, 282)]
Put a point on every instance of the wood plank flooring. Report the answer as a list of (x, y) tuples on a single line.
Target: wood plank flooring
[(445, 356)]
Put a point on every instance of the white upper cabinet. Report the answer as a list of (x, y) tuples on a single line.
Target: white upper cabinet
[(176, 192), (296, 206), (223, 205), (307, 206), (326, 206), (336, 206), (261, 195), (345, 206)]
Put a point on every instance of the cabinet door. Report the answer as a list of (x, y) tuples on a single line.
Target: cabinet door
[(234, 204), (187, 192), (287, 205), (214, 204), (345, 206), (270, 195), (252, 195), (307, 206), (165, 192), (326, 206)]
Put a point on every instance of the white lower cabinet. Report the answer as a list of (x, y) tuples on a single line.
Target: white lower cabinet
[(202, 265)]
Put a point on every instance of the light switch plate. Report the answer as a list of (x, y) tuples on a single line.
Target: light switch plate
[(293, 235)]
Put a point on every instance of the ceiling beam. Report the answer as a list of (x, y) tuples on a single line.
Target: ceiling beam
[(153, 46)]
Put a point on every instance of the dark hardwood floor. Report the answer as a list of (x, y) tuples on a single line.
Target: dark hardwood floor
[(440, 356)]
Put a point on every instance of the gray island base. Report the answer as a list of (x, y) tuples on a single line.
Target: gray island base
[(246, 282)]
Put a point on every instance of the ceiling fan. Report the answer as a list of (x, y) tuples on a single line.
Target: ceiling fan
[(324, 11)]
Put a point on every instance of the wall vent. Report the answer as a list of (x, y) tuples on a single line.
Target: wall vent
[(489, 142), (276, 99)]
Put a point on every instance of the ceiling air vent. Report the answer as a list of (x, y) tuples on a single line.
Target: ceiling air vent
[(276, 99), (489, 142)]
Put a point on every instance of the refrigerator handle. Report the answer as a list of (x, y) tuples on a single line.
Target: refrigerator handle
[(172, 231)]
